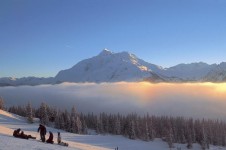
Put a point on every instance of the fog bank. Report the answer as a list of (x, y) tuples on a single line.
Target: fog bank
[(175, 99)]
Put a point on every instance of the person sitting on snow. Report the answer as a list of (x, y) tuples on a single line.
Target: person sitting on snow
[(50, 140), (59, 140), (16, 133), (24, 136)]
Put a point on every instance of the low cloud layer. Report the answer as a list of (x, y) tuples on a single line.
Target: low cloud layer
[(180, 99)]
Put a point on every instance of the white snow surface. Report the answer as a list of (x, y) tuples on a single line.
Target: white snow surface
[(9, 122)]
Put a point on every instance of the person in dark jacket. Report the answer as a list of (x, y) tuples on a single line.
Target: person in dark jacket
[(16, 132), (50, 140), (25, 136), (42, 130)]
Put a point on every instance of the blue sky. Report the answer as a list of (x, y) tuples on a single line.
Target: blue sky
[(39, 38)]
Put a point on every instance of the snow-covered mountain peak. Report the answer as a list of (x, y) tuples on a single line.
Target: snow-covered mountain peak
[(105, 52), (108, 67)]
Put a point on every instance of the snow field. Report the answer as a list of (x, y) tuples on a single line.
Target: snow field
[(9, 122)]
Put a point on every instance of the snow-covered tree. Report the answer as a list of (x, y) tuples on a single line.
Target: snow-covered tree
[(84, 127), (44, 118), (132, 133), (67, 121), (203, 138), (104, 118), (51, 113), (78, 125), (75, 122), (73, 125), (29, 113), (57, 120), (147, 133), (151, 130), (189, 140), (99, 125), (62, 123), (1, 103), (170, 137), (117, 126)]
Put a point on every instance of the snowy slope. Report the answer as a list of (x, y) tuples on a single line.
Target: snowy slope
[(10, 122), (109, 67)]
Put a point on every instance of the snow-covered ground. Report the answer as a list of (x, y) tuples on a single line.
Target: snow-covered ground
[(10, 122)]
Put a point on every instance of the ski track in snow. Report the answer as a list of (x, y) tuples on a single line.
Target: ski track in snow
[(9, 122)]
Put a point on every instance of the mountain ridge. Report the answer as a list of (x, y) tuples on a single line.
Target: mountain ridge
[(108, 66)]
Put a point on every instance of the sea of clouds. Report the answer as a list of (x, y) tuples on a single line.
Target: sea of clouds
[(202, 100)]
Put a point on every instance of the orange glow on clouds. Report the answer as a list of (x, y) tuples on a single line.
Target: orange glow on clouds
[(179, 99)]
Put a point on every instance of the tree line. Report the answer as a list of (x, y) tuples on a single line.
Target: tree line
[(170, 129), (50, 116), (133, 126)]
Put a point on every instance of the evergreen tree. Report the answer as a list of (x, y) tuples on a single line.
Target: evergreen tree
[(73, 127), (44, 118), (75, 122), (117, 126), (1, 103), (151, 129), (78, 125), (29, 113), (132, 133), (147, 136), (67, 121), (99, 125), (189, 145), (51, 113), (105, 122), (203, 138), (84, 127), (170, 136), (57, 120), (62, 123)]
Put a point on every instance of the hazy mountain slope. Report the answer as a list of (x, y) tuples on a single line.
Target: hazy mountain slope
[(25, 81), (217, 74), (188, 72)]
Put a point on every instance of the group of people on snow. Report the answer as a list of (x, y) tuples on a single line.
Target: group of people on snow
[(42, 130), (20, 134)]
